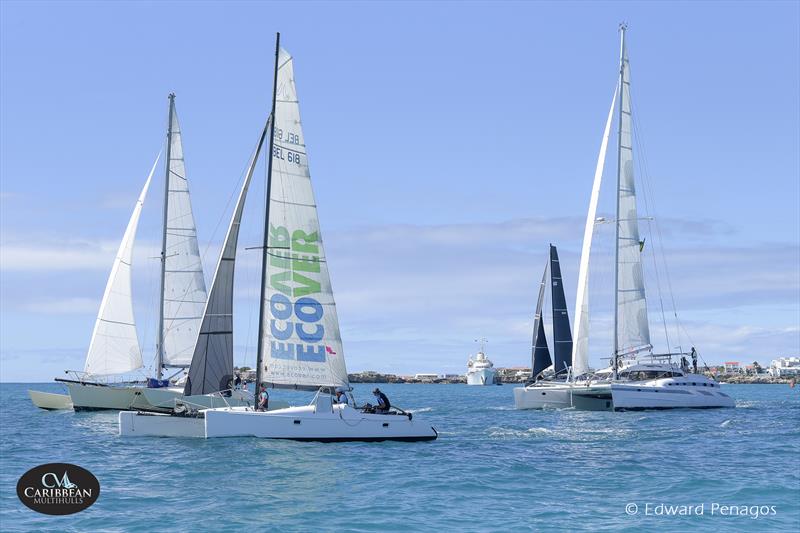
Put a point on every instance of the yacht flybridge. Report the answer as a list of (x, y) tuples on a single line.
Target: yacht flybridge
[(299, 344), (637, 378)]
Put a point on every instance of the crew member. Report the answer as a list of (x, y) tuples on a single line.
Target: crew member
[(263, 399), (383, 402)]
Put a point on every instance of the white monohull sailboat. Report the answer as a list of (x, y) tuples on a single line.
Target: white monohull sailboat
[(637, 378), (299, 343), (114, 348)]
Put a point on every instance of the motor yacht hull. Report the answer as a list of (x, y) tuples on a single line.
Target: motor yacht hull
[(483, 376), (50, 401)]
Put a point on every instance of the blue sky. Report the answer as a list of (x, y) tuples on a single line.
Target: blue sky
[(449, 143)]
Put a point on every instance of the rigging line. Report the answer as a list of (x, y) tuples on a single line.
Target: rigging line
[(232, 194), (636, 134), (660, 240)]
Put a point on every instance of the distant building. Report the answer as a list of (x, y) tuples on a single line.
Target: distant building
[(784, 367), (426, 377), (732, 367)]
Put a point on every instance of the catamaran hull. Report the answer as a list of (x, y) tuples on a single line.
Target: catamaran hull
[(547, 397), (484, 376), (90, 397), (304, 424), (631, 397), (49, 400)]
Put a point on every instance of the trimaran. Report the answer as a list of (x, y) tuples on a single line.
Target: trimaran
[(637, 378), (299, 343)]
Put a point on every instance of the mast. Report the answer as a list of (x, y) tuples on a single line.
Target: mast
[(622, 28), (160, 355), (264, 249)]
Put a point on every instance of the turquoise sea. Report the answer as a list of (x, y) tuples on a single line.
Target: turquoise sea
[(492, 469)]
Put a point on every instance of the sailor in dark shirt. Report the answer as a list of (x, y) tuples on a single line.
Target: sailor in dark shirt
[(383, 402)]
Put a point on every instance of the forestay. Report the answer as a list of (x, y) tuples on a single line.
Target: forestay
[(633, 331), (302, 346), (114, 348), (184, 290), (212, 362)]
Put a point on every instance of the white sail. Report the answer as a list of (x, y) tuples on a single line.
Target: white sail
[(184, 290), (114, 348), (302, 346), (212, 362), (580, 349), (633, 331)]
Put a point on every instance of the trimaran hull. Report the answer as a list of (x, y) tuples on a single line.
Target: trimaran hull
[(338, 424), (50, 401)]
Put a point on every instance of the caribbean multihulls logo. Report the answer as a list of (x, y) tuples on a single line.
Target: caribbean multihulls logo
[(58, 488)]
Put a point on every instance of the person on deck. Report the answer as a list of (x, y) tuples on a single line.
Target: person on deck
[(237, 382), (263, 399), (694, 360), (383, 402), (341, 396)]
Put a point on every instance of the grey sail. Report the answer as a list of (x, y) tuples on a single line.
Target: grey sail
[(540, 354), (212, 363), (632, 330), (562, 336)]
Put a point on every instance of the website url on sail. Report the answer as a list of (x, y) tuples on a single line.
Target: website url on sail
[(703, 509)]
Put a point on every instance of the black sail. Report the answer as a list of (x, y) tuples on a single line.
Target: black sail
[(562, 336), (540, 354), (212, 363)]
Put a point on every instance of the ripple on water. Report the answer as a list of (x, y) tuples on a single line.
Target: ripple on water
[(539, 469)]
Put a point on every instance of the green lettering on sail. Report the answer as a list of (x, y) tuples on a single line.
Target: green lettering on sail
[(309, 286), (305, 243)]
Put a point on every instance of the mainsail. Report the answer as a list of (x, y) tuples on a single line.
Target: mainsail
[(562, 337), (580, 348), (114, 348), (212, 362), (632, 332), (183, 287), (301, 343), (540, 354)]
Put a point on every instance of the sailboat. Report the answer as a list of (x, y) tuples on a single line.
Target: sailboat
[(114, 348), (637, 378), (209, 382), (299, 343), (549, 392)]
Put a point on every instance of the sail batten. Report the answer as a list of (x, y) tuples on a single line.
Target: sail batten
[(212, 360), (301, 345), (631, 325), (183, 290), (114, 348)]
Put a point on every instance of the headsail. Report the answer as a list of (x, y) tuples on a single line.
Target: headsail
[(562, 337), (114, 348), (540, 354), (184, 289), (632, 329), (580, 348), (212, 362), (301, 344)]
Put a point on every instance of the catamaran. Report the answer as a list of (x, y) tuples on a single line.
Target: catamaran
[(299, 343), (637, 378), (114, 348)]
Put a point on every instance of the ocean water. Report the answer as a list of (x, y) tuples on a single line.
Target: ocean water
[(493, 468)]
